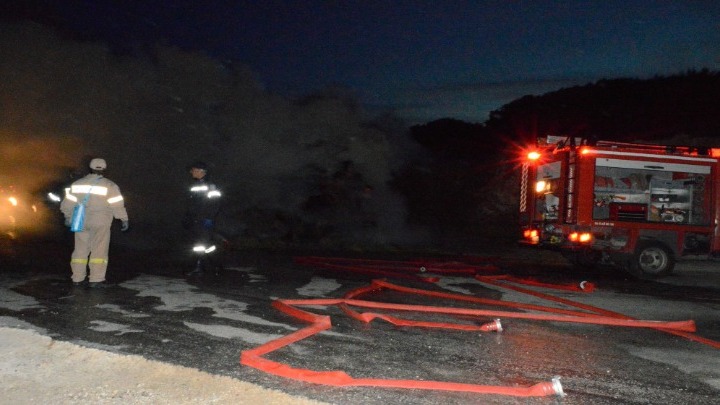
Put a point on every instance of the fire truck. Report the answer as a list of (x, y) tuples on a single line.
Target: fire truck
[(635, 206)]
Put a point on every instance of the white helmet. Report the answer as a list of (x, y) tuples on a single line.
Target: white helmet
[(98, 164)]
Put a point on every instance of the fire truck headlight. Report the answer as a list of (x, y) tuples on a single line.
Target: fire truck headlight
[(532, 235), (580, 237)]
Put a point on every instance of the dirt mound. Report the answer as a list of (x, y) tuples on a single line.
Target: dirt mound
[(37, 369)]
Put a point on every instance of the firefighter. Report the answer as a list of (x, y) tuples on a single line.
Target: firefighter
[(203, 205), (103, 203)]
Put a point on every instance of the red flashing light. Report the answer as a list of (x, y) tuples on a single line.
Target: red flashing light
[(534, 155)]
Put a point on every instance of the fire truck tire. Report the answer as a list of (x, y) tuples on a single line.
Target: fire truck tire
[(652, 260)]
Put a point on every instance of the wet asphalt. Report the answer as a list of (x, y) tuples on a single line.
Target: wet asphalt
[(151, 309)]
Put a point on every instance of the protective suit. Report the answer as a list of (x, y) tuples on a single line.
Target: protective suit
[(203, 205), (103, 203)]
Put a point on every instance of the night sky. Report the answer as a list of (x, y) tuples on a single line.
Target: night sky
[(106, 78), (424, 59)]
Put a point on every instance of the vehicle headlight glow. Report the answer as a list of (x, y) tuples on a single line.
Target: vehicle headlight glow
[(580, 237)]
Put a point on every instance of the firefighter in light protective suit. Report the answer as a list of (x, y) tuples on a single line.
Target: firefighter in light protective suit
[(203, 205), (103, 202)]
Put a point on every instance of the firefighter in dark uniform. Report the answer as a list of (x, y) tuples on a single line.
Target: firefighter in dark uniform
[(203, 205)]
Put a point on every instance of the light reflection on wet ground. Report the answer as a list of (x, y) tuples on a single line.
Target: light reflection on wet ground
[(206, 323)]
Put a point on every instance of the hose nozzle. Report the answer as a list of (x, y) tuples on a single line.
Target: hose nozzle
[(492, 326), (546, 388), (557, 386)]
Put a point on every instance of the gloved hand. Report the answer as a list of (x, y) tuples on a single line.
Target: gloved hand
[(207, 223), (125, 225)]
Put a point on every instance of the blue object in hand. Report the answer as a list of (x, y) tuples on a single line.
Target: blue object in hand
[(77, 222)]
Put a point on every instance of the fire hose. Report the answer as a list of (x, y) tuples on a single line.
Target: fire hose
[(685, 334), (319, 323), (253, 358), (406, 270)]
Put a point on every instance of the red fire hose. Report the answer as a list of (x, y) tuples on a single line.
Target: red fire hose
[(360, 265), (319, 323), (252, 358), (685, 334), (407, 270)]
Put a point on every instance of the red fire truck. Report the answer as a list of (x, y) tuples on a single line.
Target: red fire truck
[(636, 206)]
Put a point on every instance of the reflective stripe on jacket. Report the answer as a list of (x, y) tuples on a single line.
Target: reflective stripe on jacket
[(203, 200), (105, 199)]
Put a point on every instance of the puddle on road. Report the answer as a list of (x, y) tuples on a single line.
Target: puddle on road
[(230, 332), (318, 287), (103, 326), (13, 301), (453, 283), (694, 363), (177, 295), (250, 273), (119, 310)]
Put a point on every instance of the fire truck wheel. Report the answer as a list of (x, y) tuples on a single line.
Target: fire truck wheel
[(653, 260)]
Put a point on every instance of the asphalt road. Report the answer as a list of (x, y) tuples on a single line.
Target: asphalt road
[(154, 311)]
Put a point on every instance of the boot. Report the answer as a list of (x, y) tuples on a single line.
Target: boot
[(214, 267), (218, 270), (100, 284), (198, 270)]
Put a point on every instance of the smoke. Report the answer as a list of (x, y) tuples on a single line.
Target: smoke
[(22, 185), (279, 162)]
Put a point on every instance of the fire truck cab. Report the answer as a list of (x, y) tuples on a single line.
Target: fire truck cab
[(636, 206)]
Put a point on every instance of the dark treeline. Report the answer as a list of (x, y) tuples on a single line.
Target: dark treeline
[(682, 107)]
